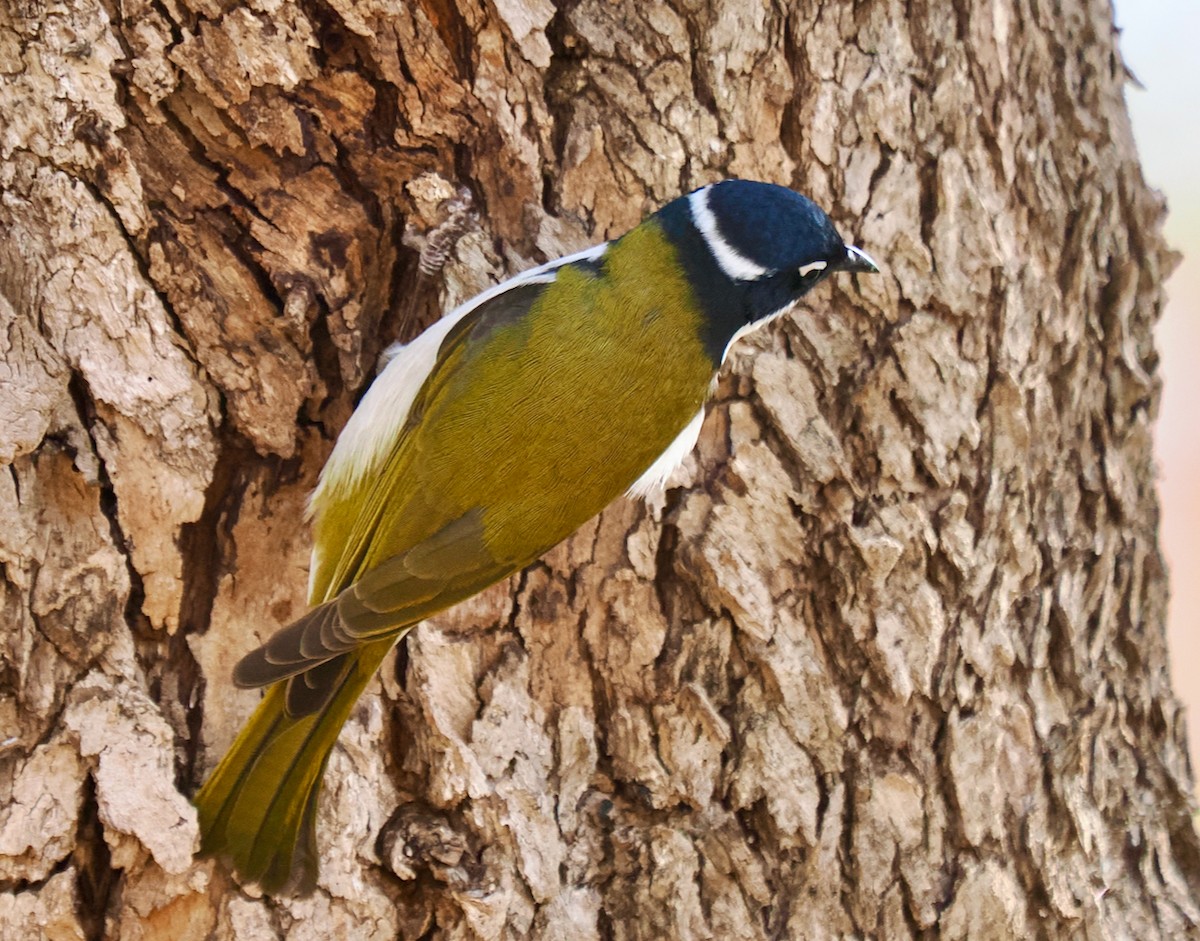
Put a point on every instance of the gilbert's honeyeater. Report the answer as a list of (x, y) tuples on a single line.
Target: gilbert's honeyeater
[(484, 442)]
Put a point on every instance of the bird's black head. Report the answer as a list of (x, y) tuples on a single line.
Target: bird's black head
[(752, 250)]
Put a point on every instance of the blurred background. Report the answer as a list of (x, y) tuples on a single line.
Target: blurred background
[(1158, 42)]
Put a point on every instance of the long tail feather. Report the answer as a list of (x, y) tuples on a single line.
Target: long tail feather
[(258, 808)]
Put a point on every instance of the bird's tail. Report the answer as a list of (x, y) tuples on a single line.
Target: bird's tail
[(258, 809)]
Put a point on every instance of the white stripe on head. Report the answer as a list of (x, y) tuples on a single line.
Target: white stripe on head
[(732, 262)]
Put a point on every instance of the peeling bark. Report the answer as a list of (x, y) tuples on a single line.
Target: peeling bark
[(888, 659)]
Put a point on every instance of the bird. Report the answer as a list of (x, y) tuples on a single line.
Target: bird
[(483, 443)]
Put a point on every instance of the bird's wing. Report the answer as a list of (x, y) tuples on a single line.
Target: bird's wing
[(395, 549), (399, 591), (356, 516), (358, 481)]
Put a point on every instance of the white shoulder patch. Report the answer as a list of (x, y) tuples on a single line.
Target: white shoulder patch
[(369, 435), (654, 480), (732, 262)]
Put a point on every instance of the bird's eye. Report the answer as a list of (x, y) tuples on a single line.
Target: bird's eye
[(806, 276)]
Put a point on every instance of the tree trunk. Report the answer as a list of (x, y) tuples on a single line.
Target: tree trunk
[(887, 661)]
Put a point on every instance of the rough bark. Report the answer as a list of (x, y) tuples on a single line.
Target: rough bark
[(887, 661)]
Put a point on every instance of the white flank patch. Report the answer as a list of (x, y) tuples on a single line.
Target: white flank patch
[(372, 430), (654, 480), (732, 262)]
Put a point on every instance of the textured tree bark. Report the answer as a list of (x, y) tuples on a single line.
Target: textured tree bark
[(887, 661)]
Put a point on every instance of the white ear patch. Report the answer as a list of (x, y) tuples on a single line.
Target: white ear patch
[(808, 269), (732, 262)]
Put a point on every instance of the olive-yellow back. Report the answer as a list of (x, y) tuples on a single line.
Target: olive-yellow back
[(543, 406)]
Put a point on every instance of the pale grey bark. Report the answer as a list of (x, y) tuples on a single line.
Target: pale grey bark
[(888, 659)]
